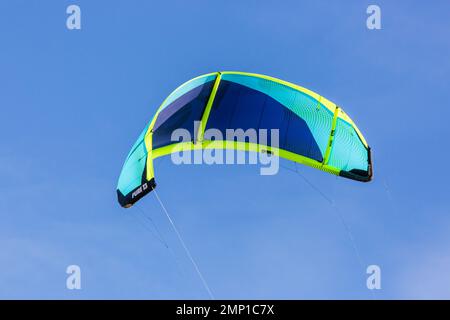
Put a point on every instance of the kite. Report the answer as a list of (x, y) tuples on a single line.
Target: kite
[(311, 130)]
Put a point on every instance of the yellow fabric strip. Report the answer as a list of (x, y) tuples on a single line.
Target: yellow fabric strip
[(201, 129), (243, 146), (332, 134)]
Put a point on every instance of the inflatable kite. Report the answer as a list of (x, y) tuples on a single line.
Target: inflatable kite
[(311, 129)]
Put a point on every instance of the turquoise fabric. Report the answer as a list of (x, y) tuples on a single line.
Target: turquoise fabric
[(133, 169), (348, 152)]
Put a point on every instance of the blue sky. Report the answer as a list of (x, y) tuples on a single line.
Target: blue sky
[(73, 103)]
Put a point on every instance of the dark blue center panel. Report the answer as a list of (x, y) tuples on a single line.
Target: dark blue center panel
[(181, 113), (239, 107)]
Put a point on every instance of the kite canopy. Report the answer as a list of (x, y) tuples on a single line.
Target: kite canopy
[(312, 130)]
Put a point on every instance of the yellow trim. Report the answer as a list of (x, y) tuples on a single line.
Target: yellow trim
[(243, 146), (332, 134), (204, 120), (148, 145)]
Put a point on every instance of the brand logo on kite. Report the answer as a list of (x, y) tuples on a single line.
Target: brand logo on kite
[(139, 190)]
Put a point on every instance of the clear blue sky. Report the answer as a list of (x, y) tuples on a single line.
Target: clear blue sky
[(73, 103)]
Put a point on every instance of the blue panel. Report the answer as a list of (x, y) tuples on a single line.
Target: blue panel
[(299, 139), (239, 107), (274, 116), (181, 114)]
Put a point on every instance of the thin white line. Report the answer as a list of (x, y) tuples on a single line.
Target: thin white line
[(340, 216), (184, 246), (158, 234)]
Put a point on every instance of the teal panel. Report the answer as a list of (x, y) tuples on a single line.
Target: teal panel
[(133, 169), (139, 140), (348, 152)]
